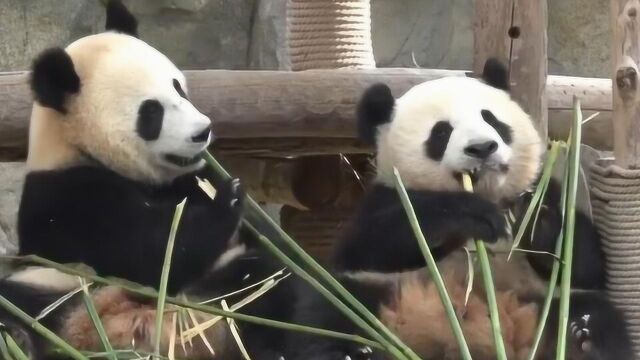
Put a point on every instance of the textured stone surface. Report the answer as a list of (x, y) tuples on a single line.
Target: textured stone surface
[(11, 179), (242, 34)]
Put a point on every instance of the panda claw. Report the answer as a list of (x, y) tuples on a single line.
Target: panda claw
[(581, 332)]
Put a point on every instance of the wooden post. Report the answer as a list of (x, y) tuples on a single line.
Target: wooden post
[(626, 57), (515, 31)]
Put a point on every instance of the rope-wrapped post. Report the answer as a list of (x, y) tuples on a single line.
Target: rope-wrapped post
[(615, 184), (329, 34)]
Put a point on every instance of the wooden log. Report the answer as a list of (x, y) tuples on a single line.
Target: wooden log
[(626, 102), (515, 31), (276, 113)]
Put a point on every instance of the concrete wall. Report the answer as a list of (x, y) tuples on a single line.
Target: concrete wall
[(250, 34)]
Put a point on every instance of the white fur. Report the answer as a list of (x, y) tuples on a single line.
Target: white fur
[(117, 73), (46, 278), (459, 100)]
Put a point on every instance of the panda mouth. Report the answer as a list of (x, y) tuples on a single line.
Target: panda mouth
[(477, 172), (183, 161)]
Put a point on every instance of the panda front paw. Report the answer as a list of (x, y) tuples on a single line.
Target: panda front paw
[(581, 333), (231, 195), (491, 227)]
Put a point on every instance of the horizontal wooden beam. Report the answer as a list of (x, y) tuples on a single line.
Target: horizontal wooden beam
[(275, 112)]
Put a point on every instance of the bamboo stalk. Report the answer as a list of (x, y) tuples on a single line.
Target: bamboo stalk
[(256, 216), (432, 267), (569, 229), (15, 349), (536, 200), (164, 277), (487, 279), (41, 329), (97, 323), (151, 293)]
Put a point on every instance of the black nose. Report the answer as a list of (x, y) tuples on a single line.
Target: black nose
[(481, 150), (202, 136)]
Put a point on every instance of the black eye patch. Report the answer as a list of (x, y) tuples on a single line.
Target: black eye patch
[(150, 115), (436, 145), (504, 130), (176, 85)]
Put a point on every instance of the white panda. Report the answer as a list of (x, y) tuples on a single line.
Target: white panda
[(433, 133), (115, 144)]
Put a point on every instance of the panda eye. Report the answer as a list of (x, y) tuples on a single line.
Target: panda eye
[(176, 85)]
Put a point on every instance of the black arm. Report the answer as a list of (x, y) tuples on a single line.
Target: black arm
[(381, 237), (121, 228)]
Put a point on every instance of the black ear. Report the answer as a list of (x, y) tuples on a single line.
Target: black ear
[(374, 109), (495, 74), (120, 19), (53, 78)]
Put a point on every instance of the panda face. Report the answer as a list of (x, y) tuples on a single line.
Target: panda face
[(443, 128), (130, 111)]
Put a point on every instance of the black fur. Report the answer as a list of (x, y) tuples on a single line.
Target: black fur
[(120, 227), (176, 85), (588, 268), (496, 74), (436, 144), (504, 130), (31, 301), (314, 310), (150, 116), (53, 77), (374, 109), (120, 19), (604, 329), (381, 238)]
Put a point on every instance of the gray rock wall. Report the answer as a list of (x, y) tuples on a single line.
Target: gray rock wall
[(250, 34)]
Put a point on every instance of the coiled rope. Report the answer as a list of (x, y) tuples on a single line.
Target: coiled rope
[(615, 199), (329, 34)]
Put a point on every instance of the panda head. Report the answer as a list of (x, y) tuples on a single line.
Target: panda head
[(442, 128), (112, 99)]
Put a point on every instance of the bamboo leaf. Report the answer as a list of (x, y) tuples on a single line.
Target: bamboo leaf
[(4, 350), (235, 333)]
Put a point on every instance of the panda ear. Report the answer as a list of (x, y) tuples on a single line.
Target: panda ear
[(53, 78), (120, 19), (495, 74), (374, 109)]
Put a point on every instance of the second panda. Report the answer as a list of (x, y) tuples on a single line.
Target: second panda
[(432, 134)]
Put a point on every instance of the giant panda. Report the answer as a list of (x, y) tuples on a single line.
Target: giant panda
[(114, 145), (432, 134)]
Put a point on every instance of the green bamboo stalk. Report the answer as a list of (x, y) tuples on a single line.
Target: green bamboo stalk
[(326, 293), (40, 329), (164, 277), (15, 350), (151, 293), (553, 278), (569, 229), (97, 323), (255, 215), (4, 350), (432, 267), (490, 290)]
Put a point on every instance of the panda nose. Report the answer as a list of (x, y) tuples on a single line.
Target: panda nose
[(202, 135), (481, 150)]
